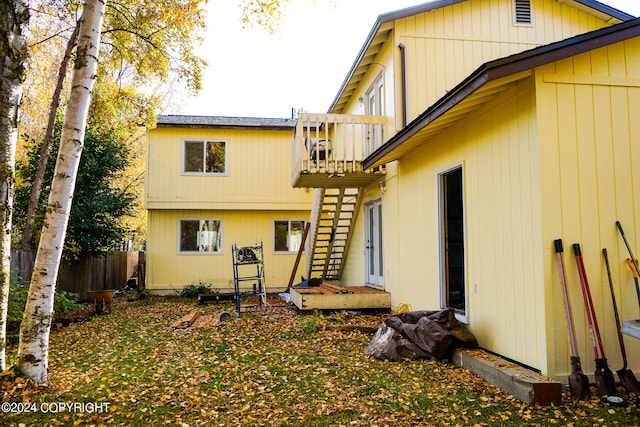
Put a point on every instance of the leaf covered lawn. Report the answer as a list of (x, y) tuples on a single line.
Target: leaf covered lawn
[(258, 370)]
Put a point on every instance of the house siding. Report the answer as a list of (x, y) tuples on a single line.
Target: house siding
[(445, 45), (587, 113), (498, 153), (513, 307), (170, 271), (252, 194), (258, 175)]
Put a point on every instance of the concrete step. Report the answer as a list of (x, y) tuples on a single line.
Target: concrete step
[(522, 383)]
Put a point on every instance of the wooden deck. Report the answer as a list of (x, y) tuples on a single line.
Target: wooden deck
[(334, 297), (327, 149)]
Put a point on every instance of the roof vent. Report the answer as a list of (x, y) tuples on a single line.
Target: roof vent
[(523, 11)]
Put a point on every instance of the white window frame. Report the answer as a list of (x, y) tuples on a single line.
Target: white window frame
[(200, 251), (375, 94), (289, 236), (205, 142)]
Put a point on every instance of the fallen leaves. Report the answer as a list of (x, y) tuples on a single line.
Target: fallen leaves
[(262, 370)]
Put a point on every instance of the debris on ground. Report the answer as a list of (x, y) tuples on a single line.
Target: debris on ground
[(419, 334), (187, 320)]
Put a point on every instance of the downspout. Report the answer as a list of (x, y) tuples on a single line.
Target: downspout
[(403, 79)]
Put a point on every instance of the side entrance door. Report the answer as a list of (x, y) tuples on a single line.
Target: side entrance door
[(373, 244), (452, 241)]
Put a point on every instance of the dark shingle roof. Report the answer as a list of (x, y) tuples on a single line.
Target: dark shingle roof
[(224, 122)]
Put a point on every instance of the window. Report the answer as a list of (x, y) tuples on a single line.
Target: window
[(287, 235), (204, 157), (522, 11), (200, 236), (375, 107)]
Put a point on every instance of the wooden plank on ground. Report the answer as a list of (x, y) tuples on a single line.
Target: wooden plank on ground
[(187, 320)]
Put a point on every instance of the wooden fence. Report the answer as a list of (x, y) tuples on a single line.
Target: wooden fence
[(89, 272)]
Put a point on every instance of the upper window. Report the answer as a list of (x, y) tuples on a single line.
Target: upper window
[(204, 157), (287, 235), (375, 107), (522, 11), (200, 236)]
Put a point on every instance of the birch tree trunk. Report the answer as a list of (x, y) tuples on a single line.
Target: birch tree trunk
[(14, 18), (33, 350)]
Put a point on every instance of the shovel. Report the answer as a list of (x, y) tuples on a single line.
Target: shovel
[(628, 380), (605, 381), (578, 381)]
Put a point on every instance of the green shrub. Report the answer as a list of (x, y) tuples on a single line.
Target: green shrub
[(312, 324), (18, 292), (192, 290), (64, 302)]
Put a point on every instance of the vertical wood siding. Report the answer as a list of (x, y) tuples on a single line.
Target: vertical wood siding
[(500, 163), (258, 171), (255, 192), (168, 270), (445, 45), (588, 109), (553, 158)]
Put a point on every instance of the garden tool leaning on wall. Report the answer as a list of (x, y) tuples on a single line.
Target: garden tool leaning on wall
[(628, 380), (578, 381), (605, 381)]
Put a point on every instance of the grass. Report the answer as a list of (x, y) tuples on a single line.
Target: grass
[(275, 370)]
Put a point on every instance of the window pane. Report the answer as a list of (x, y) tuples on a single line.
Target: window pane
[(193, 156), (295, 237), (209, 236), (371, 243), (379, 245), (215, 157), (281, 232), (189, 236)]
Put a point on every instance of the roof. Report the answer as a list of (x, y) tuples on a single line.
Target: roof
[(384, 25), (488, 81), (225, 122)]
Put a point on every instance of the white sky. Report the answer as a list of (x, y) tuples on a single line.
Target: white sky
[(253, 74)]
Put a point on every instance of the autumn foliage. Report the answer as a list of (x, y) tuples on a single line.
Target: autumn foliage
[(271, 370)]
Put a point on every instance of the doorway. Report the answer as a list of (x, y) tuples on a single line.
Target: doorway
[(373, 244), (452, 250)]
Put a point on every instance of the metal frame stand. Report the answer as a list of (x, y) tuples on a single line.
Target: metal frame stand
[(248, 266)]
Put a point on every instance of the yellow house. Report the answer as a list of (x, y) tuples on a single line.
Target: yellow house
[(215, 181), (467, 136)]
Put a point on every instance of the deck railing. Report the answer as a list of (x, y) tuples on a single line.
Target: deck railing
[(334, 145)]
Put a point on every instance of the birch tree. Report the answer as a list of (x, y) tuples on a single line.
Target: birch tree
[(146, 41), (14, 18), (46, 147), (33, 350)]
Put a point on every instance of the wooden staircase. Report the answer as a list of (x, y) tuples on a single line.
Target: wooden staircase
[(332, 216)]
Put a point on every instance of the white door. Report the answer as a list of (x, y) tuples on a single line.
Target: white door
[(373, 244)]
